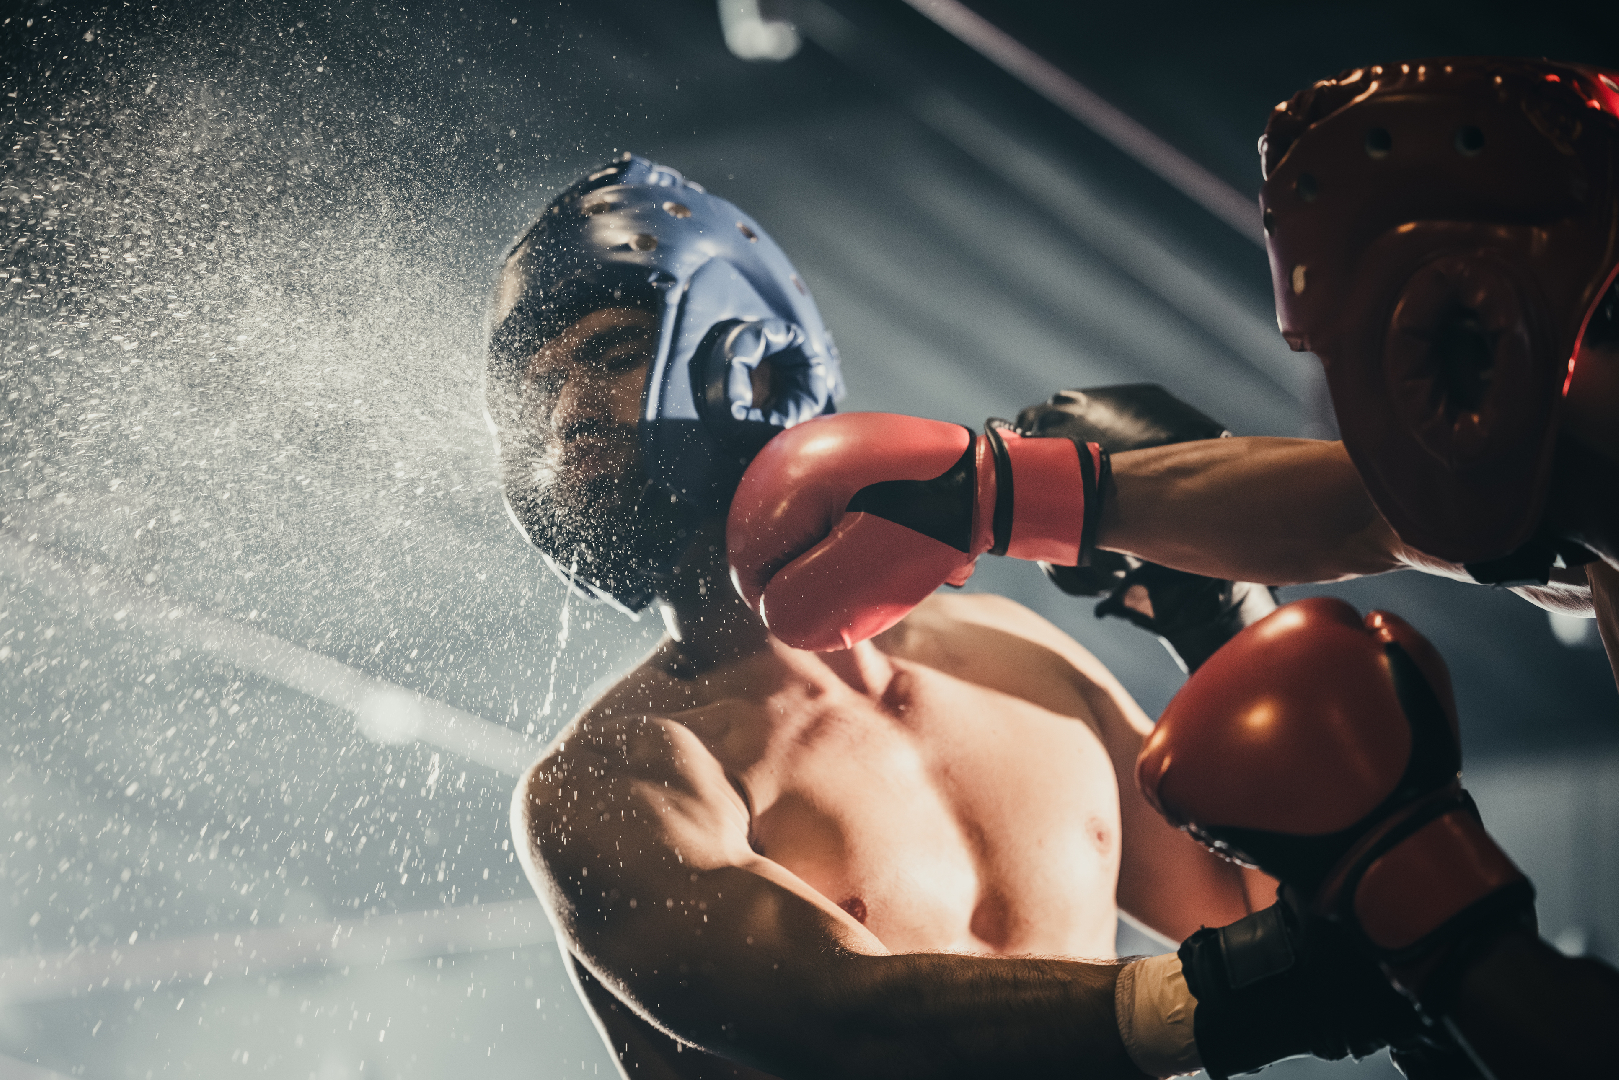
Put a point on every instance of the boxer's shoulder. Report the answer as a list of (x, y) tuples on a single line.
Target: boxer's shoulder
[(990, 627), (958, 617), (642, 763), (1002, 645), (601, 744)]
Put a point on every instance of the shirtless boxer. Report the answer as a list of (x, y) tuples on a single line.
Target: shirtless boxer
[(770, 861)]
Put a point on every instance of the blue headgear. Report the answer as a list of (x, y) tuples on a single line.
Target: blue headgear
[(640, 234)]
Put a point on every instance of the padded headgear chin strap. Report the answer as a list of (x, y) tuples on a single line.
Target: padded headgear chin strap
[(727, 298), (1440, 232)]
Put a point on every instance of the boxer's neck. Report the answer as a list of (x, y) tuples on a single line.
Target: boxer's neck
[(705, 617), (709, 626)]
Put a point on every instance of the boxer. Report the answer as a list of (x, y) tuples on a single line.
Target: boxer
[(1443, 235), (901, 858)]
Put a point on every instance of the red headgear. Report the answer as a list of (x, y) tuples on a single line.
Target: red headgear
[(1440, 233)]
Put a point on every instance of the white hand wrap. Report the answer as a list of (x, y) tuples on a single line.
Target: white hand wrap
[(1155, 1010)]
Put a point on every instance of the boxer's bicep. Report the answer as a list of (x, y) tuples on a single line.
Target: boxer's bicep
[(638, 844)]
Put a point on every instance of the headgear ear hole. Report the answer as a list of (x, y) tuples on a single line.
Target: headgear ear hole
[(1458, 354), (725, 377)]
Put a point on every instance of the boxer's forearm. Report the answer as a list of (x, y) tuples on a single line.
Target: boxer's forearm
[(763, 984), (930, 1015), (923, 1016), (1278, 511)]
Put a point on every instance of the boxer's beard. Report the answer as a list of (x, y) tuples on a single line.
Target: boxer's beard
[(608, 528)]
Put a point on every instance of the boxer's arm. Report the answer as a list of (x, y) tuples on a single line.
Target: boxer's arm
[(1276, 511), (1167, 881), (638, 844)]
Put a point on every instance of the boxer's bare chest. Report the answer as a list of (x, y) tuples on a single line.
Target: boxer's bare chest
[(941, 813)]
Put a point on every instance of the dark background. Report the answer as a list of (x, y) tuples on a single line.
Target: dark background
[(247, 256)]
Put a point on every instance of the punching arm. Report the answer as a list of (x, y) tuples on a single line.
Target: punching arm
[(1277, 511), (1281, 512), (638, 844)]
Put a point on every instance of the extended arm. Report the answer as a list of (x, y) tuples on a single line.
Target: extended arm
[(637, 842), (845, 523), (1278, 511)]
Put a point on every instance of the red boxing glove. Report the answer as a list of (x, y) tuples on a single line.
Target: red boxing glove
[(843, 524), (1325, 750)]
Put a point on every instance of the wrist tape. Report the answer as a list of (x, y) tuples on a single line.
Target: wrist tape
[(1154, 1010)]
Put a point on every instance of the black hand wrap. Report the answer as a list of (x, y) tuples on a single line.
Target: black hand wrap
[(1193, 615), (1283, 983)]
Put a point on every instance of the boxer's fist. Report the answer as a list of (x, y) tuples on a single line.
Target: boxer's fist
[(1285, 981), (1324, 749), (843, 524)]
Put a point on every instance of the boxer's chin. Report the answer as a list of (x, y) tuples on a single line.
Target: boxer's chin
[(601, 528)]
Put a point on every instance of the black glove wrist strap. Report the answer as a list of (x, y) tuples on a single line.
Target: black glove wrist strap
[(1236, 1028), (1098, 490), (1001, 523), (1281, 983)]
